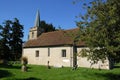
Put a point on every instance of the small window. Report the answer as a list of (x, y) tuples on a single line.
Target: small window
[(48, 52), (37, 53), (32, 34), (63, 53)]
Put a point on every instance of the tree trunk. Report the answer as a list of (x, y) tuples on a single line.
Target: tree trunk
[(74, 56)]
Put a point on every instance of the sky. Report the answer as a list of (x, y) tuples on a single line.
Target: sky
[(60, 13)]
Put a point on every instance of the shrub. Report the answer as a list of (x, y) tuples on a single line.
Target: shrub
[(24, 60)]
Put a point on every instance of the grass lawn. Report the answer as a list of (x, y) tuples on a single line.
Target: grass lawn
[(36, 72)]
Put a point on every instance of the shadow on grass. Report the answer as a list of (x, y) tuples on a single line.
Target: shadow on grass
[(30, 78), (12, 66), (109, 76), (117, 66), (4, 73)]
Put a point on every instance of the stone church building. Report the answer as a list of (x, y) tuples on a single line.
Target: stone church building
[(56, 48)]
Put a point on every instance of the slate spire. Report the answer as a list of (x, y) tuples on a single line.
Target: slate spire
[(37, 20)]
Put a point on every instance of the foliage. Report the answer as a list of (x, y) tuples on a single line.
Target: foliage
[(75, 38), (16, 39), (24, 63), (24, 60), (4, 40), (47, 27), (11, 34), (36, 72), (100, 30)]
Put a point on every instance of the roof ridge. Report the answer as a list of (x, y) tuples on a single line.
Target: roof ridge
[(72, 29), (53, 38)]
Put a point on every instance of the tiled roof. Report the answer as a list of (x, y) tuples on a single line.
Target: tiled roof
[(55, 38)]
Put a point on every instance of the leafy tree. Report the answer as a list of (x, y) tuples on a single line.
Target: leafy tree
[(75, 38), (47, 27), (100, 30)]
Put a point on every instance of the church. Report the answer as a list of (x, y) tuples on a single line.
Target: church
[(56, 48)]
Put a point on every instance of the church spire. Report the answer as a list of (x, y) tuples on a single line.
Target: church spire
[(36, 30), (37, 21)]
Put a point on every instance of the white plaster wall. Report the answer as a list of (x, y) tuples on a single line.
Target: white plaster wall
[(83, 62), (55, 58)]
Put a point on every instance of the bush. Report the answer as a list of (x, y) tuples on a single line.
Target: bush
[(24, 60)]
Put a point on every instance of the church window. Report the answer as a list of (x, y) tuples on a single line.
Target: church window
[(63, 53), (32, 34), (48, 52), (37, 53)]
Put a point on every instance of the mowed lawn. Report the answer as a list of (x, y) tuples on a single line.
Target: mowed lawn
[(36, 72)]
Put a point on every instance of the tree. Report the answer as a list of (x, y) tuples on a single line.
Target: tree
[(74, 34), (4, 40), (47, 27), (11, 35), (100, 30), (16, 39)]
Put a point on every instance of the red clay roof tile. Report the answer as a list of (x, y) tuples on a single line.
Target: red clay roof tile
[(55, 38)]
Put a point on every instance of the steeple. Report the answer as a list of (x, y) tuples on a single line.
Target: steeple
[(37, 20), (36, 30)]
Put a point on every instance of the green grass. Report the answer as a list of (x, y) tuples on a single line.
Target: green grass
[(36, 72)]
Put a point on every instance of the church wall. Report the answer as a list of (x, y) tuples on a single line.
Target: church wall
[(55, 58), (40, 56), (83, 62)]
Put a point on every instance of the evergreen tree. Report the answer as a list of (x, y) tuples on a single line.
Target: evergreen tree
[(100, 30), (16, 39), (4, 40), (11, 35)]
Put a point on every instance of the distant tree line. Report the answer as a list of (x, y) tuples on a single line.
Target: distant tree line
[(47, 27), (11, 34)]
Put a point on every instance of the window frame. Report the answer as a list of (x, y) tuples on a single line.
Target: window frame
[(37, 53), (63, 53)]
